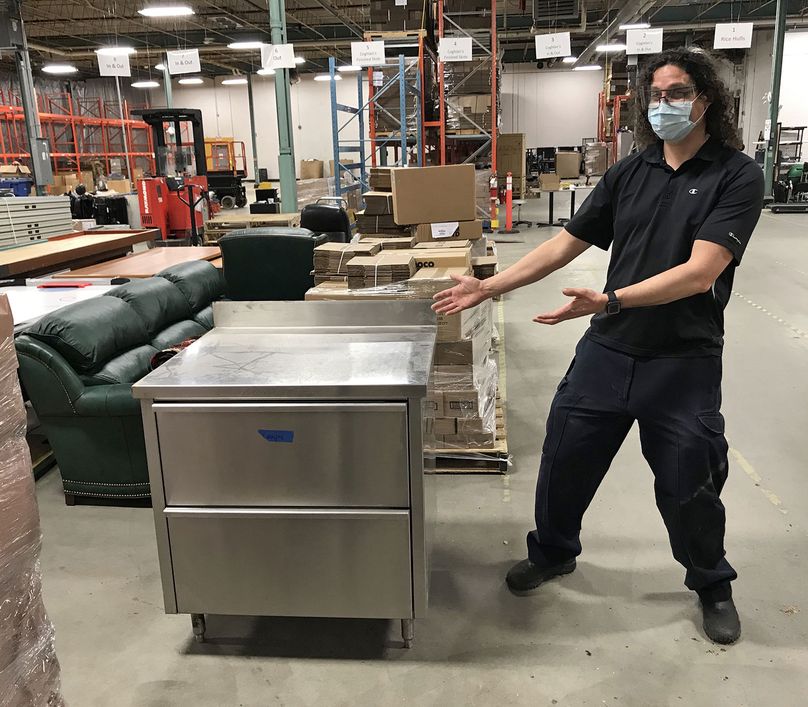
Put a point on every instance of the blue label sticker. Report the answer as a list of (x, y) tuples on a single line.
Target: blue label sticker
[(286, 436)]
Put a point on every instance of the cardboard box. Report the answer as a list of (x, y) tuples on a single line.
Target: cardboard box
[(549, 181), (122, 186), (511, 155), (471, 351), (444, 426), (15, 169), (466, 231), (378, 203), (433, 404), (461, 403), (430, 281), (442, 258), (339, 291), (440, 245), (311, 169), (568, 165), (458, 327), (482, 440), (433, 194)]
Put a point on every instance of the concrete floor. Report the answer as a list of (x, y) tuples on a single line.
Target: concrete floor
[(620, 630)]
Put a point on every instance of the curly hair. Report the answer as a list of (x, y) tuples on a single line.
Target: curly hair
[(701, 67)]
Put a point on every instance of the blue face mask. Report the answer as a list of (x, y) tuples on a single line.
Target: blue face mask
[(672, 122)]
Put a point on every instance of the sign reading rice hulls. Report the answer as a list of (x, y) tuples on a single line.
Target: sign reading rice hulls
[(733, 35)]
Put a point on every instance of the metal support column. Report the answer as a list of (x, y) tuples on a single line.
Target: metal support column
[(770, 159), (37, 145), (253, 136), (286, 151), (167, 85)]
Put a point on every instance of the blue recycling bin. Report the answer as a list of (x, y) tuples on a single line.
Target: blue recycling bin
[(21, 186)]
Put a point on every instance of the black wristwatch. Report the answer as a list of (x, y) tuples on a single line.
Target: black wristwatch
[(613, 305)]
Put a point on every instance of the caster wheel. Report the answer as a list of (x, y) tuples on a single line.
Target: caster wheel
[(198, 624), (228, 202)]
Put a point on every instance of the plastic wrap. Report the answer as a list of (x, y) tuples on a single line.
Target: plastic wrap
[(29, 669), (460, 407)]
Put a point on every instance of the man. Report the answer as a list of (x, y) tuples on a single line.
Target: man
[(677, 217)]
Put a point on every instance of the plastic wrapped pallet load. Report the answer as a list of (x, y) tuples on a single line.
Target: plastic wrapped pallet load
[(29, 669)]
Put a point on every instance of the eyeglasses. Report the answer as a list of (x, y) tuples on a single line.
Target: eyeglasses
[(672, 96)]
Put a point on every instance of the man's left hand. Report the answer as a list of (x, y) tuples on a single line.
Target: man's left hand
[(584, 302)]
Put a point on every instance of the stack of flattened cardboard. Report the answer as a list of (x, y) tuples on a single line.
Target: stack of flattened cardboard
[(331, 259), (381, 224), (379, 270), (378, 203)]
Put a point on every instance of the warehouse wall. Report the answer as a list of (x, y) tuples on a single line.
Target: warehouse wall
[(225, 113), (550, 107)]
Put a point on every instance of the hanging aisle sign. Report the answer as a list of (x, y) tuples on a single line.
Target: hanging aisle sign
[(553, 46), (643, 41), (367, 53), (455, 49), (278, 56), (113, 64), (733, 35), (183, 61)]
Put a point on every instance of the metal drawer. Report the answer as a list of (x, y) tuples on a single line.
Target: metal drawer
[(240, 454), (263, 562)]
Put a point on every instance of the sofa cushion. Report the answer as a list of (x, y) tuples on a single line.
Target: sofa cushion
[(129, 367), (156, 300), (205, 317), (90, 333), (198, 280), (177, 333)]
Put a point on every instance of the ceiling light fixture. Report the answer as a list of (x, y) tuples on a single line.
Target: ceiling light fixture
[(193, 80), (254, 44), (349, 69), (613, 47), (265, 72), (145, 84), (569, 59), (107, 51), (300, 60), (636, 25), (588, 67), (166, 11), (59, 69), (327, 77), (235, 81), (160, 67)]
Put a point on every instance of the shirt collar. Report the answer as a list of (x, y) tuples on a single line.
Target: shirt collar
[(709, 152)]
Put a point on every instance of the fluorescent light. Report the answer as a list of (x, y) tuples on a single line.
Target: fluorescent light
[(246, 45), (613, 47), (160, 67), (300, 60), (636, 25), (569, 59), (327, 77), (265, 72), (107, 51), (193, 80), (59, 69), (166, 11), (145, 84), (349, 69), (588, 67), (234, 81)]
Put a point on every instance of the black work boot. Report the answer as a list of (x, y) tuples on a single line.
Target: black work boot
[(721, 622), (524, 576)]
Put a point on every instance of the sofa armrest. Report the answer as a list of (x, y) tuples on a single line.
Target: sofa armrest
[(108, 401), (49, 380)]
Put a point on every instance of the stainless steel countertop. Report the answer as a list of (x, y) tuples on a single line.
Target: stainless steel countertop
[(301, 363)]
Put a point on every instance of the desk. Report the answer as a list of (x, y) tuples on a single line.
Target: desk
[(552, 192), (146, 264), (73, 251), (218, 263), (29, 304)]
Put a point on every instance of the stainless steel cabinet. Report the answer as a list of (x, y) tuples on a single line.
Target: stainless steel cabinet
[(286, 463)]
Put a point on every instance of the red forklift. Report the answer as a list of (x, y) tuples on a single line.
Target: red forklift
[(175, 198)]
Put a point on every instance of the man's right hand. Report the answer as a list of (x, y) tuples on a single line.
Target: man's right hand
[(468, 292)]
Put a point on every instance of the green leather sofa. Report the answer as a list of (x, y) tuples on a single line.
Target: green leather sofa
[(78, 364)]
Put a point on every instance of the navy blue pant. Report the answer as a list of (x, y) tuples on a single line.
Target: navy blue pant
[(676, 402)]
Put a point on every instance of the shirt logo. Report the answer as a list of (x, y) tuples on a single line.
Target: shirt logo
[(693, 191), (734, 237)]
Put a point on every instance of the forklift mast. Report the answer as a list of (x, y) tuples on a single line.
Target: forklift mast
[(157, 118)]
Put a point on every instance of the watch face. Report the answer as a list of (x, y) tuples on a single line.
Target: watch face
[(613, 308)]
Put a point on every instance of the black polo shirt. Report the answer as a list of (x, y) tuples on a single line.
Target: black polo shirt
[(651, 215)]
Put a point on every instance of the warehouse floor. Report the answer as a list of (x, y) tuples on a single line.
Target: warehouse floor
[(620, 630)]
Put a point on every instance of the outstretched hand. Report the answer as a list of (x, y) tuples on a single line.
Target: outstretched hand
[(466, 293), (584, 302)]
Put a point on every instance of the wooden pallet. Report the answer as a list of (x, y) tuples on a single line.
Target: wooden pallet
[(401, 34)]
